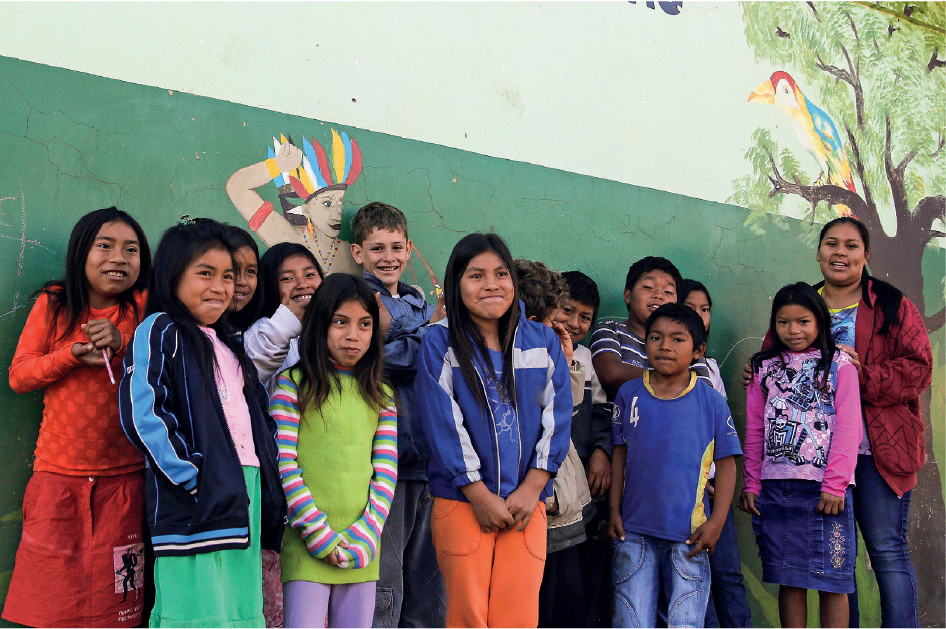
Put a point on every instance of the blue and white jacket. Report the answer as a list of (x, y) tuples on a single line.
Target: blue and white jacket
[(410, 314), (195, 490), (465, 446)]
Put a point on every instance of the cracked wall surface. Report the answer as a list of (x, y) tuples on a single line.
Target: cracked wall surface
[(73, 142)]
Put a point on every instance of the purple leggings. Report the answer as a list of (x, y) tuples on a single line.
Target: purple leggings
[(308, 604)]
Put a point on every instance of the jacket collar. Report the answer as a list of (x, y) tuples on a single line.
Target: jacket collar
[(404, 290)]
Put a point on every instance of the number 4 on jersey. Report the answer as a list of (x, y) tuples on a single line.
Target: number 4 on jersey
[(635, 415)]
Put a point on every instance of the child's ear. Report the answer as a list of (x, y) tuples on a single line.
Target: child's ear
[(356, 253), (532, 318), (410, 247), (627, 297), (699, 351)]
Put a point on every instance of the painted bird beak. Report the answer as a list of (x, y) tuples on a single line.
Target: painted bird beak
[(764, 94)]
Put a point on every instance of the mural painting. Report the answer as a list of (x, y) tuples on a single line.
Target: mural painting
[(866, 64), (310, 196)]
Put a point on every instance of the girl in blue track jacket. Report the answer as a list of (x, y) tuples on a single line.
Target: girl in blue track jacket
[(496, 410), (191, 401)]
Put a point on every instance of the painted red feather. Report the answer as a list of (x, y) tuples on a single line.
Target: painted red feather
[(355, 169), (323, 162)]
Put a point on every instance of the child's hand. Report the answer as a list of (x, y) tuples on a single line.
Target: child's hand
[(830, 504), (599, 473), (710, 491), (102, 333), (705, 537), (296, 307), (616, 526), (847, 349), (88, 355), (440, 312), (747, 503), (566, 340), (491, 513), (334, 558), (522, 501), (384, 317), (746, 375)]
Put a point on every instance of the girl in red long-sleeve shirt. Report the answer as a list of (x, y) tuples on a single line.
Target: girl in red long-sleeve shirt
[(81, 557)]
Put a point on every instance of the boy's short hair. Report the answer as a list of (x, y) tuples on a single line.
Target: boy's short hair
[(377, 215), (681, 314), (651, 263), (583, 289), (540, 289)]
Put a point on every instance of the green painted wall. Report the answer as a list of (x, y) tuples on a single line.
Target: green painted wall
[(73, 142)]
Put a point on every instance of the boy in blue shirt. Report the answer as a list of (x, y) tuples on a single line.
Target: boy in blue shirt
[(668, 427), (410, 590)]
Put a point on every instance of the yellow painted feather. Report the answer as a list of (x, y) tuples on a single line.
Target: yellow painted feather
[(338, 156)]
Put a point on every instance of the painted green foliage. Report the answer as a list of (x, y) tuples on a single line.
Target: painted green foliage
[(877, 70)]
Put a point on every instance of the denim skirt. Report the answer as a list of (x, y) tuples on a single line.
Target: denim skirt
[(799, 546)]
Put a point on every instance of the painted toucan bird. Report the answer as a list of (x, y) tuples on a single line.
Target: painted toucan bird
[(815, 129)]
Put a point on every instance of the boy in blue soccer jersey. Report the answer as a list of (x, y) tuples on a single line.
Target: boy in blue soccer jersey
[(668, 427)]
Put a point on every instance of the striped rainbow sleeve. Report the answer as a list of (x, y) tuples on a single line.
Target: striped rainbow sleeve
[(313, 526), (364, 535)]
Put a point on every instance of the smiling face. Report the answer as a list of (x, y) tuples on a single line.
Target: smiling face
[(842, 255), (206, 286), (324, 211), (670, 348), (298, 278), (699, 303), (796, 326), (246, 277), (487, 290), (349, 333), (384, 254), (652, 289), (576, 317), (113, 264)]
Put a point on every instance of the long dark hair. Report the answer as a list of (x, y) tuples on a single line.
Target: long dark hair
[(237, 238), (465, 337), (69, 297), (268, 288), (179, 247), (889, 297), (806, 296), (317, 372)]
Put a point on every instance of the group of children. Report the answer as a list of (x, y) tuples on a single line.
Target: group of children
[(337, 450)]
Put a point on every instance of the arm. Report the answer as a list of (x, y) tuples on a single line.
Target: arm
[(909, 372), (313, 526), (267, 341), (707, 534), (612, 372), (364, 536), (241, 188), (842, 457), (755, 438), (556, 401), (441, 417), (34, 366), (147, 403), (616, 493), (402, 342)]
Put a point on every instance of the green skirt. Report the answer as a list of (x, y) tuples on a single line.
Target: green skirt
[(218, 589)]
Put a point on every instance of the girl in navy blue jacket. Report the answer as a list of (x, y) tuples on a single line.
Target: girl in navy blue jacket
[(497, 415), (191, 401)]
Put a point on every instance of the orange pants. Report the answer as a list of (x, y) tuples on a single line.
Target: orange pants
[(492, 579)]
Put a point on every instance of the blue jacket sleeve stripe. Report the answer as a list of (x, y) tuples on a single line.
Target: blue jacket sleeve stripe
[(471, 460), (154, 427)]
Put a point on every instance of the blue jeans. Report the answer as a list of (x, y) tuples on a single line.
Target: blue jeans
[(728, 607), (410, 590), (882, 518), (639, 562)]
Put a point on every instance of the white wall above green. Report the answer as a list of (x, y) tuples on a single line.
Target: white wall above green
[(613, 90)]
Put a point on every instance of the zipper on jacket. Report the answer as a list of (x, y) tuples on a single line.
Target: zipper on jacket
[(499, 469)]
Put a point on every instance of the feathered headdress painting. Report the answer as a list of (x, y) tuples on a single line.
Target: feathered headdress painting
[(307, 180)]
